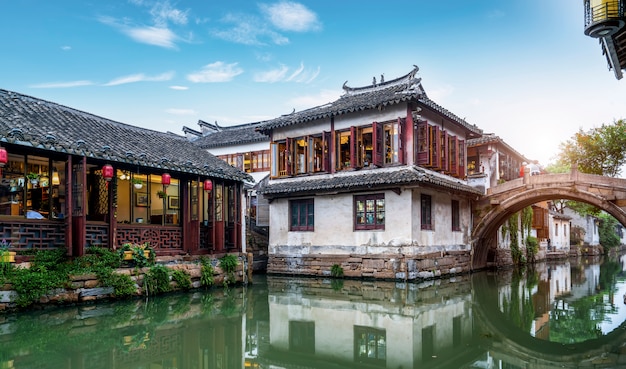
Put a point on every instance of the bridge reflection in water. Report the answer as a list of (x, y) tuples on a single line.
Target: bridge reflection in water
[(569, 314)]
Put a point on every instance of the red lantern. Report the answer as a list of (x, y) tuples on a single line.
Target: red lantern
[(166, 179), (208, 185), (4, 157), (107, 172)]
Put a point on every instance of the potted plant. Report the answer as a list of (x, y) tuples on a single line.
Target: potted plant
[(33, 177), (140, 255), (6, 256), (161, 194), (137, 183)]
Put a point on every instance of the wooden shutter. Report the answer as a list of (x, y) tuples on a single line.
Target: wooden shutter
[(422, 144), (435, 146), (461, 156), (289, 156), (353, 147), (379, 147), (444, 151), (454, 155), (401, 124), (326, 144)]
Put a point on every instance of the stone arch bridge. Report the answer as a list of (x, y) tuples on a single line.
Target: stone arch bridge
[(504, 200)]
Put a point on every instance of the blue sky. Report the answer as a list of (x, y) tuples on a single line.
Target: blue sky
[(522, 69)]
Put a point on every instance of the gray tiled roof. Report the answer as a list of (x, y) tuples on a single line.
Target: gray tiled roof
[(363, 180), (233, 135), (493, 139), (404, 89), (44, 125)]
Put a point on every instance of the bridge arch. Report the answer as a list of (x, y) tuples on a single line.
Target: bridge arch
[(605, 193)]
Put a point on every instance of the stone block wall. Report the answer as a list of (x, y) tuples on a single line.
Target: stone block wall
[(87, 288), (383, 267)]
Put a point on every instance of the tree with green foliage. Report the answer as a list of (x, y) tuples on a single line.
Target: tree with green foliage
[(601, 150), (607, 232)]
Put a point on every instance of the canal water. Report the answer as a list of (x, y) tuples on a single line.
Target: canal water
[(567, 314)]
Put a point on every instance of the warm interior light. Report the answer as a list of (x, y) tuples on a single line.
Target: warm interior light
[(55, 178)]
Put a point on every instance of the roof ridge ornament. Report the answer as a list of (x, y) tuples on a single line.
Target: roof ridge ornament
[(50, 138), (407, 79), (79, 144), (16, 133)]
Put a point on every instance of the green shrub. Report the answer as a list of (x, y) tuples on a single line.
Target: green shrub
[(122, 284), (157, 280), (31, 284), (336, 270), (182, 279), (229, 263), (207, 272)]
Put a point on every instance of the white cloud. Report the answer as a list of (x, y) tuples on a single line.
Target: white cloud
[(66, 48), (180, 88), (162, 12), (63, 84), (280, 74), (181, 111), (291, 16), (140, 77), (215, 72), (248, 30), (271, 76), (152, 36)]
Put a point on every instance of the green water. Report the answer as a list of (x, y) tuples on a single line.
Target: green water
[(568, 314)]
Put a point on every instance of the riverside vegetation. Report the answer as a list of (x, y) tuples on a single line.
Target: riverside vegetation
[(52, 270)]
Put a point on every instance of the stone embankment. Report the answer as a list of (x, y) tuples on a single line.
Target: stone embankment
[(86, 288)]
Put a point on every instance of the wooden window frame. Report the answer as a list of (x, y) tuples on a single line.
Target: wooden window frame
[(455, 209), (426, 212), (379, 200), (373, 337), (297, 205)]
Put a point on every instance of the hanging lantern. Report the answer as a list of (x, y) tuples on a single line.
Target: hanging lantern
[(166, 179), (208, 185), (4, 157), (107, 172)]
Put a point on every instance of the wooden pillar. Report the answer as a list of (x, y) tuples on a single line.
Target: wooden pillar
[(68, 206), (111, 218)]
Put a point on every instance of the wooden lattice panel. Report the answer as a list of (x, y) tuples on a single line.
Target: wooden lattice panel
[(33, 235), (97, 235), (160, 237)]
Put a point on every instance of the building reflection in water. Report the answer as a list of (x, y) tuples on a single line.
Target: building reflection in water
[(552, 315)]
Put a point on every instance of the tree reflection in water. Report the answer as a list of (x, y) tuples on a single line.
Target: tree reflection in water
[(550, 315)]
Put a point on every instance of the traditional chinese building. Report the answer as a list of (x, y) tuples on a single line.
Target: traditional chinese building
[(374, 183), (73, 179)]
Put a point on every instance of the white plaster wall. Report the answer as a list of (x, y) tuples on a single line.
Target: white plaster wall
[(588, 223), (334, 218), (234, 149), (441, 236), (560, 239)]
